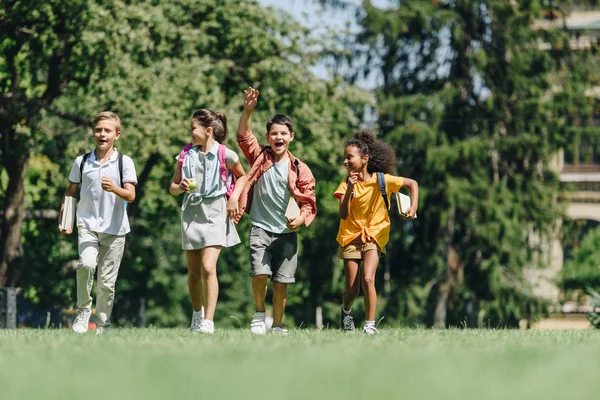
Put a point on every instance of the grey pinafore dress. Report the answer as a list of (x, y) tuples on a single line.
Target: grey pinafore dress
[(204, 220)]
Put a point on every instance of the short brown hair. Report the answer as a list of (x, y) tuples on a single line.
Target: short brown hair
[(108, 115)]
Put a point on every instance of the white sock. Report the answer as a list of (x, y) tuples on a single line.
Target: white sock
[(261, 314), (200, 313), (347, 311), (368, 323)]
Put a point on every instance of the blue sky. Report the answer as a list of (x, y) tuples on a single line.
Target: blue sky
[(312, 15)]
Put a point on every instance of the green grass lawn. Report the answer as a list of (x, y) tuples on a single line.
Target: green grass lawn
[(306, 364)]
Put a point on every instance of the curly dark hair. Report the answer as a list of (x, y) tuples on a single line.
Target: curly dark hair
[(382, 157)]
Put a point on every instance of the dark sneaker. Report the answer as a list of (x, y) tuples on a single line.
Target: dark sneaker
[(347, 322)]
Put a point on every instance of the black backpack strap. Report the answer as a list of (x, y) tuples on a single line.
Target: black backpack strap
[(120, 158), (85, 157), (381, 182), (297, 164)]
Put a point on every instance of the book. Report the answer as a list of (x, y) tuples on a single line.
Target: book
[(403, 202), (292, 210), (68, 215)]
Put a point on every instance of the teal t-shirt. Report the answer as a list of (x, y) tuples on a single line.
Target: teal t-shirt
[(271, 196)]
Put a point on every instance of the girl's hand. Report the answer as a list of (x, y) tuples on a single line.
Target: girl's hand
[(232, 208), (352, 179), (250, 98), (184, 185), (411, 212)]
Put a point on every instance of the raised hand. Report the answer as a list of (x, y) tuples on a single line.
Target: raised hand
[(352, 179), (250, 98)]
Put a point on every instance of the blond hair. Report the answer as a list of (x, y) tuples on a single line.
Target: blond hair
[(104, 115)]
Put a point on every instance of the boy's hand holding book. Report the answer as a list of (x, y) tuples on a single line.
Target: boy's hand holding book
[(67, 216)]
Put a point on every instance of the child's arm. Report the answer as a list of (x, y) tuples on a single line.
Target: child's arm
[(245, 138), (178, 185), (233, 210), (71, 190), (307, 200), (127, 192), (345, 201), (414, 197)]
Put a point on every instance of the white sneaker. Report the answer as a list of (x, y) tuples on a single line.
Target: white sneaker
[(82, 319), (370, 330), (197, 318), (103, 330), (207, 326), (278, 330), (258, 325)]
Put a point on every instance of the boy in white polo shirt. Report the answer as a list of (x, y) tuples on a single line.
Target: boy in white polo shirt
[(108, 182)]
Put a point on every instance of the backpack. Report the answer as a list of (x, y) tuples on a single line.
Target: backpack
[(120, 160), (381, 183), (222, 166)]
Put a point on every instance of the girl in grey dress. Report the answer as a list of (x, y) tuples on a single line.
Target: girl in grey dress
[(207, 214)]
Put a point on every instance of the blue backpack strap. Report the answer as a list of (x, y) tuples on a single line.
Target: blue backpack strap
[(381, 182)]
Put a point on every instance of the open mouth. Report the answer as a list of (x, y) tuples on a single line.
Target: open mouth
[(278, 145)]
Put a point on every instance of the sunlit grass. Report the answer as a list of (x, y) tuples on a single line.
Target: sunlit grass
[(306, 364)]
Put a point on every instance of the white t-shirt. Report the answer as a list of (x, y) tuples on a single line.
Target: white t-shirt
[(98, 210)]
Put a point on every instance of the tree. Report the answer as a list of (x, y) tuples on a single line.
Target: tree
[(42, 54), (466, 99), (171, 59)]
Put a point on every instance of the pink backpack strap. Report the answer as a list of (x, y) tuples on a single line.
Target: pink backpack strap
[(222, 163), (183, 153)]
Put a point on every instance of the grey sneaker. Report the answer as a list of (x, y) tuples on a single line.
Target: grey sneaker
[(258, 325), (82, 319), (103, 330), (347, 322), (197, 319), (278, 330), (370, 330)]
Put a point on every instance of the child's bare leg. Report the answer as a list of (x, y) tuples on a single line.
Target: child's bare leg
[(210, 284), (352, 282), (280, 292), (259, 291), (194, 264), (370, 261)]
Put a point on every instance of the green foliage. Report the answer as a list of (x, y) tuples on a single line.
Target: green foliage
[(594, 316), (583, 269), (154, 63), (467, 100)]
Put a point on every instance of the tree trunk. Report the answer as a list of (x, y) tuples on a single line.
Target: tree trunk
[(452, 275), (11, 254), (452, 278)]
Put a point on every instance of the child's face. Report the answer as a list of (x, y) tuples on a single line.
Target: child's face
[(105, 134), (199, 134), (353, 161), (279, 137)]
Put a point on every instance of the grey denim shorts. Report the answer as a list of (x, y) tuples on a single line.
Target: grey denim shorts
[(274, 254)]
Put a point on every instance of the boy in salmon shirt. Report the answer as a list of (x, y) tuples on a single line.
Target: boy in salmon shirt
[(275, 176)]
